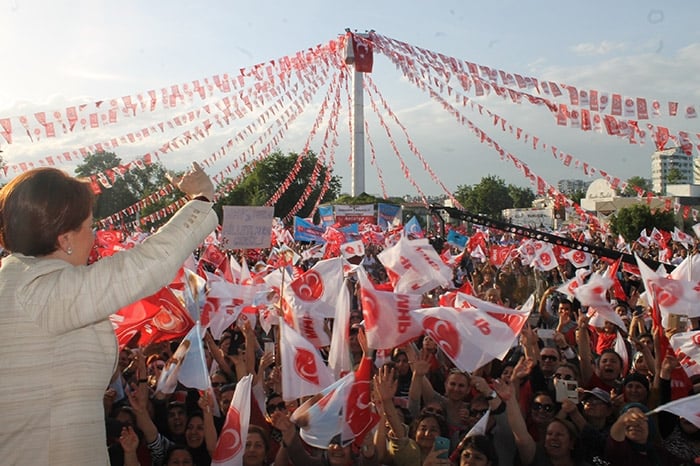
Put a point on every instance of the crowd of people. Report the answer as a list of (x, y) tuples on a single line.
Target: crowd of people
[(564, 394), (420, 395)]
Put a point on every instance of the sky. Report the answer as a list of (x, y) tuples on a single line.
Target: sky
[(67, 52)]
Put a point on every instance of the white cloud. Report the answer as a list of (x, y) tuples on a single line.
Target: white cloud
[(601, 48)]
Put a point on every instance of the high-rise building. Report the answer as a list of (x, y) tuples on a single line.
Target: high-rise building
[(568, 187), (670, 161)]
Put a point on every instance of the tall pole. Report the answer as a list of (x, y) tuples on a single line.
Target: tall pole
[(357, 158)]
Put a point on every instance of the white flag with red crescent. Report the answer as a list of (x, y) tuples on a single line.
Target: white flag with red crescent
[(388, 321), (303, 370), (230, 446), (686, 345)]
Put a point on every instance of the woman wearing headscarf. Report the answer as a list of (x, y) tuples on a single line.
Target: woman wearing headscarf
[(633, 439)]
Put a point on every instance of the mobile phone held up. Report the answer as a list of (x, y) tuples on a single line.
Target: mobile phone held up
[(442, 443)]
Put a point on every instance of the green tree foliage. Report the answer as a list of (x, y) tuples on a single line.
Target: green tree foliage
[(638, 182), (269, 174), (491, 195), (128, 189), (362, 198), (675, 176), (522, 197), (630, 221), (577, 195)]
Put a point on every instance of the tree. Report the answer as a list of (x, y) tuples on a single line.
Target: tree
[(577, 195), (362, 198), (630, 221), (522, 197), (491, 195), (270, 173), (636, 182), (674, 176), (126, 190)]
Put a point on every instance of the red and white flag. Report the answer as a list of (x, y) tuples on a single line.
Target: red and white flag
[(569, 288), (304, 371), (545, 258), (578, 258), (696, 230), (688, 408), (514, 318), (322, 416), (316, 290), (469, 337), (414, 266), (224, 303), (686, 345), (689, 269), (682, 237), (187, 365), (339, 355), (643, 239), (388, 321), (159, 317), (676, 296), (657, 237), (478, 254), (593, 293), (231, 444), (360, 415), (352, 249)]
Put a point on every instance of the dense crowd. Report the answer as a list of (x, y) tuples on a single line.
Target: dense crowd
[(563, 395)]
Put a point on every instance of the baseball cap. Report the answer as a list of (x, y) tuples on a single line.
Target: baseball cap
[(598, 393)]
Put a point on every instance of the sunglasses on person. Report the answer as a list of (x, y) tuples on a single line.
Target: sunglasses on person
[(547, 408), (218, 384), (548, 357), (439, 412), (271, 408), (564, 376)]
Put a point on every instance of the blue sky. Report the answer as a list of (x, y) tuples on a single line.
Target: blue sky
[(66, 52)]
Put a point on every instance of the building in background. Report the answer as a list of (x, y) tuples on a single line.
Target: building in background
[(671, 166), (568, 187)]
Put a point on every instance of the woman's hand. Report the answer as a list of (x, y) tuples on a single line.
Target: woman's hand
[(194, 182), (129, 440), (386, 384), (433, 460)]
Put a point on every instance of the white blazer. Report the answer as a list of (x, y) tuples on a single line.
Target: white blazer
[(57, 346)]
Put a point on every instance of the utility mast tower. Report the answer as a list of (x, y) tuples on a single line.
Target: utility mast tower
[(358, 52)]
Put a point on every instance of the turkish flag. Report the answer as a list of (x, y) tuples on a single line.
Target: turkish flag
[(362, 49), (230, 446), (359, 415), (159, 317), (611, 272)]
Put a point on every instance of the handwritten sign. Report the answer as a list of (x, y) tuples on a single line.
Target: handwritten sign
[(246, 227)]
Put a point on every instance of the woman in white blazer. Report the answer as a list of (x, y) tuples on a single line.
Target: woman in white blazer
[(57, 346)]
